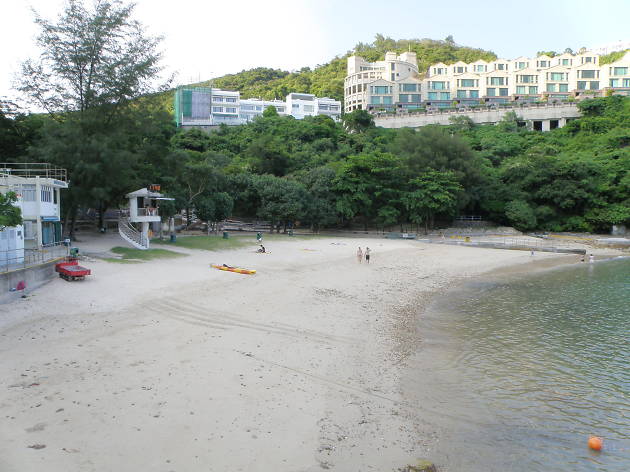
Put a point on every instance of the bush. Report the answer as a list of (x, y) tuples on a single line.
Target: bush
[(520, 215)]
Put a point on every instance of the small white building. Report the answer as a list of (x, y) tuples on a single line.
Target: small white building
[(208, 107), (134, 223), (37, 186)]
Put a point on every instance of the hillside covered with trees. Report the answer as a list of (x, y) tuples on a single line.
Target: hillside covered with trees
[(326, 80), (325, 174)]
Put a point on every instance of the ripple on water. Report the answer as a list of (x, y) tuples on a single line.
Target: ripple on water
[(522, 371)]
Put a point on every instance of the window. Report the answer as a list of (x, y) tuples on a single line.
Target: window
[(468, 82), (230, 110), (437, 85), (439, 71), (217, 109), (415, 98), (323, 107), (587, 74), (480, 68), (614, 83), (497, 81), (564, 88), (581, 85), (230, 99), (594, 85), (566, 62), (588, 59), (334, 108), (551, 87), (527, 79), (28, 193), (217, 98), (309, 108), (445, 95), (503, 92), (620, 71), (501, 67), (387, 100), (381, 89), (393, 66), (543, 64), (403, 98), (460, 70), (375, 100), (522, 65), (521, 89), (556, 76), (533, 90), (492, 92), (259, 108), (461, 94), (409, 87), (433, 96), (247, 107), (295, 106), (280, 109), (626, 82), (46, 193), (474, 94)]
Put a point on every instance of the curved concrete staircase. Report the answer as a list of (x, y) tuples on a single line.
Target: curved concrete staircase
[(131, 234)]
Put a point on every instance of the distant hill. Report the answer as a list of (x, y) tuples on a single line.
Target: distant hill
[(326, 80)]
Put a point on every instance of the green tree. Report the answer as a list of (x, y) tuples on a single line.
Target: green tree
[(357, 121), (520, 215), (282, 201), (93, 62), (91, 58), (433, 193), (270, 112), (10, 215)]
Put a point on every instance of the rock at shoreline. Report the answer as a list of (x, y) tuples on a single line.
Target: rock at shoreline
[(422, 465)]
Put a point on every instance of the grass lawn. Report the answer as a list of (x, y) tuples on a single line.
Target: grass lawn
[(209, 243), (131, 255)]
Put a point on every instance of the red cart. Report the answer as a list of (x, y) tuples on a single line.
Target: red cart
[(71, 270)]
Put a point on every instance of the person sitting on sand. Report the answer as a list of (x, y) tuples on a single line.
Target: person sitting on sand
[(359, 255), (262, 248)]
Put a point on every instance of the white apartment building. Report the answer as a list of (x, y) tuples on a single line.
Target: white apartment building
[(37, 187), (383, 83), (375, 87), (207, 107)]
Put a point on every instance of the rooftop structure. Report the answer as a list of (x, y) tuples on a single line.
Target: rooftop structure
[(208, 107)]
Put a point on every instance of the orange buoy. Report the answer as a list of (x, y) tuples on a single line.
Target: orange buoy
[(595, 443)]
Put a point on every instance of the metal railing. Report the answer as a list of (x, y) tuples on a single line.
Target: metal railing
[(33, 169), (16, 259), (129, 233)]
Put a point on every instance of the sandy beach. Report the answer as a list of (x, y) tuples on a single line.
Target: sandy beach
[(168, 365)]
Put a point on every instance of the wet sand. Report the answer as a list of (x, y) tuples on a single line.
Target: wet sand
[(169, 365)]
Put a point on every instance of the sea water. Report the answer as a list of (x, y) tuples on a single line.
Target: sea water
[(515, 373)]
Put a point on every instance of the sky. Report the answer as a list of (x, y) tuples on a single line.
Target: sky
[(206, 38)]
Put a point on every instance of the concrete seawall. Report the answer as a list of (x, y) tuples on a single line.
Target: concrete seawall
[(33, 277), (544, 114)]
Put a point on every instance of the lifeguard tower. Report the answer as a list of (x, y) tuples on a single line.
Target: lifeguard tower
[(133, 223)]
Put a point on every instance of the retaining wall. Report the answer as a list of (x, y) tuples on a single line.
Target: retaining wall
[(34, 277)]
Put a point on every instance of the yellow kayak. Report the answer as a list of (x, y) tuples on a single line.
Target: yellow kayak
[(233, 269)]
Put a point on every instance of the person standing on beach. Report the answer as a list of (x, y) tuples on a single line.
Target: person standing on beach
[(367, 255), (591, 258), (359, 255)]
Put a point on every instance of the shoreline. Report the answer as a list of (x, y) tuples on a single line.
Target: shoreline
[(181, 368)]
